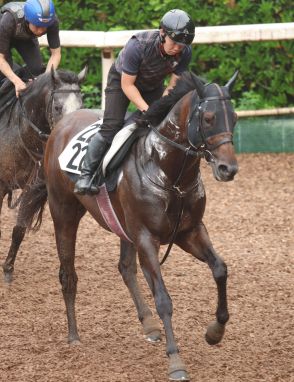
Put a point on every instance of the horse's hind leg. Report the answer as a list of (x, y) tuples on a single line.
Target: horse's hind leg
[(66, 215), (128, 269), (18, 234), (199, 245)]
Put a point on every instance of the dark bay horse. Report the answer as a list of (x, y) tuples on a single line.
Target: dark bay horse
[(24, 128), (159, 183)]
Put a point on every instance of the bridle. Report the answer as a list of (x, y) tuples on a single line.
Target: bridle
[(49, 109), (203, 149), (36, 156), (49, 112)]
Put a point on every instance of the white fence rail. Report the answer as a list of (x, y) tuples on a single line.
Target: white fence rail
[(107, 41)]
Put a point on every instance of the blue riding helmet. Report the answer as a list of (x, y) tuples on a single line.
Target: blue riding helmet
[(39, 12)]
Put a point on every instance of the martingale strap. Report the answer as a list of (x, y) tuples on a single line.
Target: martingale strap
[(109, 215)]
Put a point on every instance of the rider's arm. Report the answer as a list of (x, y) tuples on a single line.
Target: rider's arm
[(132, 92), (54, 59), (183, 65), (171, 84), (54, 45), (7, 30), (131, 61), (8, 72)]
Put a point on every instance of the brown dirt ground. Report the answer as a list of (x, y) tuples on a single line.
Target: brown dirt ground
[(250, 222)]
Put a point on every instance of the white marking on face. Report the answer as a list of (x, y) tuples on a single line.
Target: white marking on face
[(72, 103)]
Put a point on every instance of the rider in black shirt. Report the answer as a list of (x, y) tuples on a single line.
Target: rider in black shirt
[(137, 76), (21, 23)]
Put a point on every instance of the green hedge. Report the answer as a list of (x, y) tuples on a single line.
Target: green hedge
[(266, 69)]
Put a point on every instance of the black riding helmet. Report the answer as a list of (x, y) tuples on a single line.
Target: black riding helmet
[(178, 25)]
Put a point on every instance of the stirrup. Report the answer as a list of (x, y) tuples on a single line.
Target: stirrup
[(89, 188)]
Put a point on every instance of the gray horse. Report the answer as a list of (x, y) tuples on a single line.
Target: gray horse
[(25, 125)]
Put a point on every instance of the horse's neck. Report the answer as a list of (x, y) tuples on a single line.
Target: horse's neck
[(35, 109), (167, 163)]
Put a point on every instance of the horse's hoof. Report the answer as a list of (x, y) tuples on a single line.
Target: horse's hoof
[(179, 375), (177, 369), (74, 343), (151, 330), (214, 333), (153, 337), (8, 277), (74, 340)]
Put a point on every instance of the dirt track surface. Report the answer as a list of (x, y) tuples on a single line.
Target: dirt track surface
[(250, 222)]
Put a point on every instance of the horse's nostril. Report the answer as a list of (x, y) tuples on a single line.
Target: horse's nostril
[(222, 168), (227, 172)]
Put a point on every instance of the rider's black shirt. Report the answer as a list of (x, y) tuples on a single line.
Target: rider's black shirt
[(142, 56), (8, 32)]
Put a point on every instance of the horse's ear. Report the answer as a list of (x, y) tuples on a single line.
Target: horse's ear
[(54, 75), (231, 81), (199, 85), (82, 75)]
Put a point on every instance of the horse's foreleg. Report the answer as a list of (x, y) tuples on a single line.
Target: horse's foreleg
[(148, 256), (66, 217), (128, 269), (197, 243)]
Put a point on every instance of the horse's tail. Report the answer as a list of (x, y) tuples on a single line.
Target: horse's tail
[(35, 200)]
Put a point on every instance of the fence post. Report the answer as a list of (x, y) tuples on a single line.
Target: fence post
[(107, 60)]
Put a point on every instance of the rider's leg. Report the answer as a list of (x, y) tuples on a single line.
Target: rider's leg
[(116, 104), (95, 152)]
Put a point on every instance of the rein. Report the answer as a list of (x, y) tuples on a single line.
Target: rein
[(43, 136), (187, 150), (174, 188)]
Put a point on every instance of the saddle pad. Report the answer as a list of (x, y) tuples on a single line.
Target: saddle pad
[(71, 158)]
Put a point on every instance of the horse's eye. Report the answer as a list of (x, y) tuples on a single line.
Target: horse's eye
[(58, 108), (208, 117)]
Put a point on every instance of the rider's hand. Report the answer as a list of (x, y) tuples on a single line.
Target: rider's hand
[(19, 86), (141, 119)]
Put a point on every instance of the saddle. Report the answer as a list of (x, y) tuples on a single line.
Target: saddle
[(109, 168), (70, 159)]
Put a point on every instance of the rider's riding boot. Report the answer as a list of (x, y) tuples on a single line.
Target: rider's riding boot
[(96, 149)]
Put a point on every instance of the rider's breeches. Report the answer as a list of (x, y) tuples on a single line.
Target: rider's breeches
[(116, 104)]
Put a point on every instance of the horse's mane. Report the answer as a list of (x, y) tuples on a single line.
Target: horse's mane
[(65, 76), (160, 108), (68, 76)]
